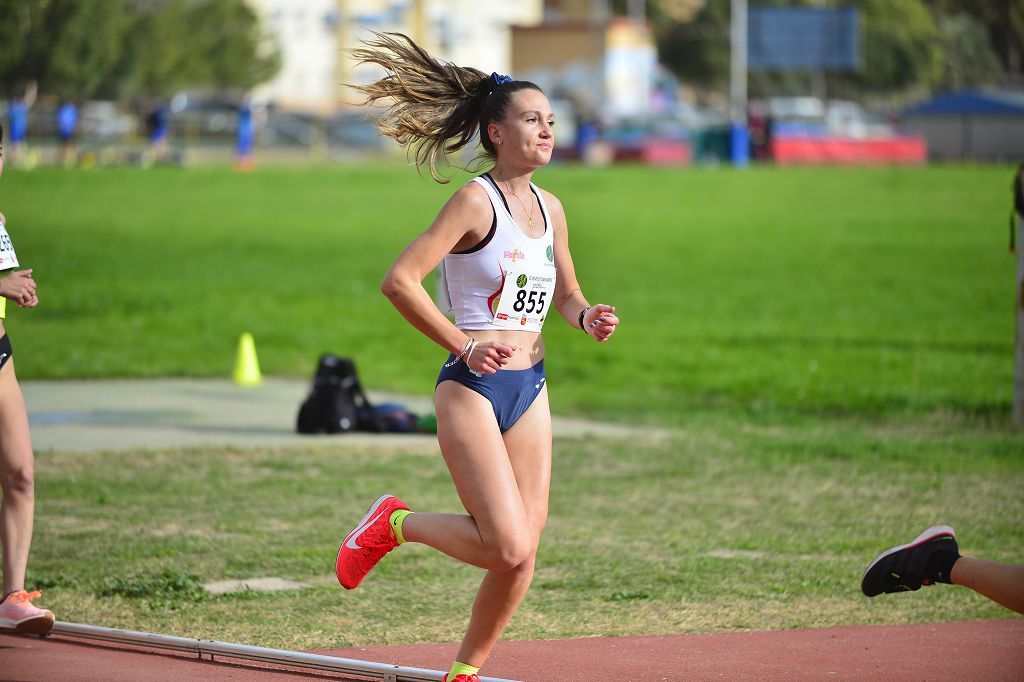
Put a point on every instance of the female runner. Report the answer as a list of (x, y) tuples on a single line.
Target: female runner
[(17, 479), (504, 245)]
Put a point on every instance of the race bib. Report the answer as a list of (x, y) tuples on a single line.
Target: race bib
[(8, 259), (525, 299)]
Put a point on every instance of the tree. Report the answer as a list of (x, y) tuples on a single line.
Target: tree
[(970, 60), (904, 45), (693, 41), (237, 54), (18, 34), (83, 43), (160, 58), (901, 43), (120, 48), (1003, 21)]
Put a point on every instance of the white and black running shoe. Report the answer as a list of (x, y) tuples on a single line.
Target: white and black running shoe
[(928, 559)]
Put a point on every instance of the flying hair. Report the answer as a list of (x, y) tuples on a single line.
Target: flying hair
[(431, 107)]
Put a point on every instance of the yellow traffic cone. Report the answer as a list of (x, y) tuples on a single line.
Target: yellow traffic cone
[(247, 367)]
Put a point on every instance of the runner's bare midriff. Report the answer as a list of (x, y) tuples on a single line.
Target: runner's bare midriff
[(529, 345)]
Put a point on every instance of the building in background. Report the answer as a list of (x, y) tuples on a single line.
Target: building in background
[(971, 124), (597, 69), (315, 35), (465, 32), (574, 49), (606, 66), (307, 33)]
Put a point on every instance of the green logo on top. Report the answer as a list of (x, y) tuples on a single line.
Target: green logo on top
[(551, 255), (521, 281)]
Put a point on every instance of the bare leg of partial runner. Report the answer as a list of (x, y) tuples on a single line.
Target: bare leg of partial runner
[(16, 480), (1000, 582), (503, 482)]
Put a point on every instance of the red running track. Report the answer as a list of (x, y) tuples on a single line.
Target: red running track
[(976, 650)]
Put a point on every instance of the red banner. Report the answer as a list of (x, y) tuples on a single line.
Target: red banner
[(907, 151)]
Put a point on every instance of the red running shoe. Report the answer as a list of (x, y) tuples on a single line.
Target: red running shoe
[(368, 542), (462, 678)]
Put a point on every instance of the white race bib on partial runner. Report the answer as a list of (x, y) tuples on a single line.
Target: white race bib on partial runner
[(8, 259), (525, 299)]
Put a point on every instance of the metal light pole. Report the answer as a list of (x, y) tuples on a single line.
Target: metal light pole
[(738, 138), (1018, 379)]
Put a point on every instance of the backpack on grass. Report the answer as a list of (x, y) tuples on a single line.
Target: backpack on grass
[(337, 402)]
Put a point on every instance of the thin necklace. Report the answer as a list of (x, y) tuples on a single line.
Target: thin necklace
[(509, 188)]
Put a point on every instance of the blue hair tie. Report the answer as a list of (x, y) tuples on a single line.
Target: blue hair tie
[(499, 80)]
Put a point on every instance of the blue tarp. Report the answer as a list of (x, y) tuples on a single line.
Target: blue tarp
[(970, 102)]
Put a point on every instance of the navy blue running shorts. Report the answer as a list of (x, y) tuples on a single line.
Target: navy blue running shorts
[(510, 391)]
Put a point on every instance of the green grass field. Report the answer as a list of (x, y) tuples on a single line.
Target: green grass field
[(833, 346), (800, 291), (725, 527)]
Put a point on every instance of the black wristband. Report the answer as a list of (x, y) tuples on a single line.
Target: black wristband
[(582, 313)]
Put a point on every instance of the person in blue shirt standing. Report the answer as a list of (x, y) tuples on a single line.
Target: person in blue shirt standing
[(17, 118), (158, 127), (246, 136), (67, 125)]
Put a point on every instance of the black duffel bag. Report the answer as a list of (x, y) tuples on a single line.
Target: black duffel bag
[(337, 402)]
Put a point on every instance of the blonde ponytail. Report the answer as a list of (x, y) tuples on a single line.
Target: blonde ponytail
[(432, 107)]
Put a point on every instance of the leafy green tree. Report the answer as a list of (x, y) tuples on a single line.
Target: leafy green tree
[(969, 58), (19, 29), (121, 48), (68, 46), (159, 59), (901, 44), (83, 43), (1003, 21), (693, 44), (236, 53), (179, 44)]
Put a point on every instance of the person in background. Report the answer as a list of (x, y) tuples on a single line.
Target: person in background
[(17, 117), (158, 129), (67, 127), (246, 136), (17, 478)]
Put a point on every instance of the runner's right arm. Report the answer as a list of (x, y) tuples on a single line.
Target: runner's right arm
[(462, 223)]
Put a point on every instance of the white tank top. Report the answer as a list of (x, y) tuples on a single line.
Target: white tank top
[(507, 281)]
